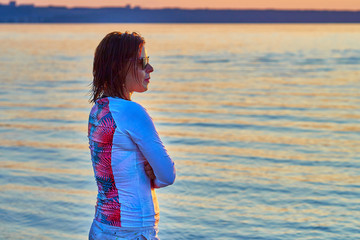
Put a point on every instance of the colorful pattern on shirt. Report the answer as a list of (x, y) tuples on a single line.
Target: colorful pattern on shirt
[(101, 131)]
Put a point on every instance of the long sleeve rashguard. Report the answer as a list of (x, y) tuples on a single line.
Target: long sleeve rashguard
[(122, 137)]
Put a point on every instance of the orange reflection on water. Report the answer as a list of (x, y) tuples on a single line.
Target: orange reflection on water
[(35, 167), (273, 173), (23, 188), (281, 154), (52, 145), (44, 114), (44, 127), (249, 136)]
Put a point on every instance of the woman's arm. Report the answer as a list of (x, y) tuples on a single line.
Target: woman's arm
[(144, 134)]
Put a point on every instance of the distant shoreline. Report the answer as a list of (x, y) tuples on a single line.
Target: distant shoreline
[(13, 13), (180, 23)]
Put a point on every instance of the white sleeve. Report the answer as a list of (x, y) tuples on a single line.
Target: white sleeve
[(144, 134)]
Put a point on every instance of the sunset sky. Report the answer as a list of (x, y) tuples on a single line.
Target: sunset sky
[(219, 4)]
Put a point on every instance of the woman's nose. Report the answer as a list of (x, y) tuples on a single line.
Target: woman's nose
[(149, 68)]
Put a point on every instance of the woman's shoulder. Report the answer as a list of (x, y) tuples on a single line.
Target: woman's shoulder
[(126, 106)]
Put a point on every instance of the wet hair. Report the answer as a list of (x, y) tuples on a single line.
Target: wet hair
[(112, 62)]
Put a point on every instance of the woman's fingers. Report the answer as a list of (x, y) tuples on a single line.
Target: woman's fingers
[(150, 174), (148, 167), (149, 171)]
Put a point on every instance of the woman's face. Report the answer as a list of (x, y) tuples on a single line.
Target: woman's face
[(138, 80)]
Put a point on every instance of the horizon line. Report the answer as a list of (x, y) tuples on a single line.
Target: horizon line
[(182, 8), (215, 9)]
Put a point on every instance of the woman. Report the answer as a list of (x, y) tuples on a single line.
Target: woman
[(128, 157)]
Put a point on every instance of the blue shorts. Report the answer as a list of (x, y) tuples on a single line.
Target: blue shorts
[(100, 231)]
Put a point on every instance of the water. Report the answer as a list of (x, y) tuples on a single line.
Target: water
[(262, 121)]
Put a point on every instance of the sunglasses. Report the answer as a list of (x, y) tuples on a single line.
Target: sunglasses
[(144, 61)]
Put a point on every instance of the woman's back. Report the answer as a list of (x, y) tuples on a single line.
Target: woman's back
[(125, 196)]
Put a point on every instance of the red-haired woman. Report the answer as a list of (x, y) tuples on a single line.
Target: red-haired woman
[(128, 157)]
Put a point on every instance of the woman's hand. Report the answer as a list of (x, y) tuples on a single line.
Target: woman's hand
[(149, 171)]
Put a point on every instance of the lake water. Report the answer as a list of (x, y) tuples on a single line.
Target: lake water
[(262, 121)]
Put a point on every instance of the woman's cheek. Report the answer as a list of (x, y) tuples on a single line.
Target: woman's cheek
[(142, 74)]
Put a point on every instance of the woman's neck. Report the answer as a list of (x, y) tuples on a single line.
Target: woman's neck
[(128, 95)]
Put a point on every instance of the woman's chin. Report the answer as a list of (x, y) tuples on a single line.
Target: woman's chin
[(143, 89), (145, 86)]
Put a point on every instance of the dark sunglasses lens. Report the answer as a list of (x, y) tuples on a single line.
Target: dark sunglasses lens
[(144, 63)]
